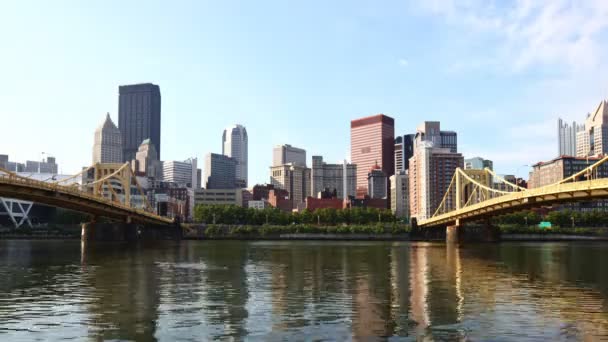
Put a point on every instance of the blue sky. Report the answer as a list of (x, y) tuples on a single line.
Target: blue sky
[(298, 72)]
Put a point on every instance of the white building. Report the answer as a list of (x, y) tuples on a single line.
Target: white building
[(259, 205), (234, 144), (566, 137), (593, 139), (107, 146), (400, 204), (184, 173)]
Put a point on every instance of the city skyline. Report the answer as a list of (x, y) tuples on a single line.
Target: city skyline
[(496, 106)]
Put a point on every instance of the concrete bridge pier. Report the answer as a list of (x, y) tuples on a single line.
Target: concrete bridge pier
[(93, 231), (487, 232), (454, 234)]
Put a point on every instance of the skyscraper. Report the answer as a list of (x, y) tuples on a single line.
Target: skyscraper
[(431, 171), (372, 142), (593, 139), (234, 145), (404, 150), (286, 154), (220, 172), (107, 146), (139, 117), (566, 137), (146, 160), (333, 176), (182, 172)]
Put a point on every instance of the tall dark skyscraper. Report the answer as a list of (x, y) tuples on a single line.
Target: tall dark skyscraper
[(139, 117)]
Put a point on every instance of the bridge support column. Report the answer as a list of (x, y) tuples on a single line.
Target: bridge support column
[(92, 231), (453, 234)]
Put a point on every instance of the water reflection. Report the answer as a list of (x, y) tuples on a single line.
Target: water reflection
[(304, 290)]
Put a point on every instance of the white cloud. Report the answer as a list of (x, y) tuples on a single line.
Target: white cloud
[(530, 33), (403, 62)]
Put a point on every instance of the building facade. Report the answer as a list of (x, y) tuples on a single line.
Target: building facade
[(404, 150), (287, 154), (258, 204), (372, 141), (377, 183), (430, 132), (566, 137), (333, 177), (218, 197), (293, 178), (146, 161), (235, 145), (107, 145), (430, 174), (184, 173), (139, 117), (220, 172), (400, 204), (478, 163), (48, 165), (593, 139), (553, 171)]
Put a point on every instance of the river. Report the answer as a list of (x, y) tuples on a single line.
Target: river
[(298, 290)]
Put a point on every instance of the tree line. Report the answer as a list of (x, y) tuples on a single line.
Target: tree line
[(232, 214), (561, 218)]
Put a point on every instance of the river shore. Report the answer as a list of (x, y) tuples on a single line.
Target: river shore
[(387, 232)]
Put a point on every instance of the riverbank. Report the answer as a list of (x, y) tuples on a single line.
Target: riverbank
[(378, 232)]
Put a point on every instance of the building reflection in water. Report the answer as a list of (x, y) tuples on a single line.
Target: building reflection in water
[(304, 290)]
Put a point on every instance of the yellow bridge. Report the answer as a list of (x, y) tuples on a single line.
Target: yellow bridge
[(468, 199), (105, 191)]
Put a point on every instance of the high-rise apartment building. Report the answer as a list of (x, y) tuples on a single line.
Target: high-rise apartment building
[(139, 117), (377, 183), (431, 171), (404, 150), (400, 204), (220, 171), (234, 144), (333, 177), (107, 146), (430, 131), (294, 178), (287, 154), (566, 137), (146, 160), (184, 173), (372, 141), (593, 139), (478, 163)]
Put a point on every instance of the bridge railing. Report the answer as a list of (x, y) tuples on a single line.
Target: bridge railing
[(12, 178)]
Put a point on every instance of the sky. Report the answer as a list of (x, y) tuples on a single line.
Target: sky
[(499, 73)]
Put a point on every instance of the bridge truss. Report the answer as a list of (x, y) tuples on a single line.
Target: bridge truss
[(469, 199), (103, 189)]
